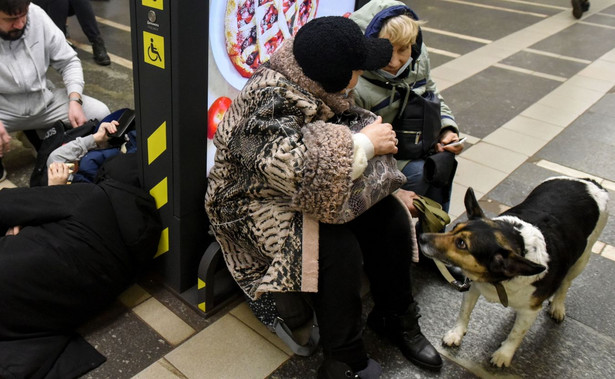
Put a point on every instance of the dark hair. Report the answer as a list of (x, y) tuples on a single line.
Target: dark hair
[(14, 7)]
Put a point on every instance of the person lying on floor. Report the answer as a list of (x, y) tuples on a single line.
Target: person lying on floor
[(66, 253)]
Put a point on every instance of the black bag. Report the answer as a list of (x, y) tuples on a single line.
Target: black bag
[(418, 126), (283, 312), (56, 136)]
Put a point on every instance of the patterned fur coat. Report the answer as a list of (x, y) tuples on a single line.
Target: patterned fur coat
[(282, 165)]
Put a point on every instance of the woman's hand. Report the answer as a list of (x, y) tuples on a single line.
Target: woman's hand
[(449, 137), (57, 174), (13, 231), (407, 198), (382, 136)]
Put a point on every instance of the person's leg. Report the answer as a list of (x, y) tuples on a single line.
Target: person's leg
[(414, 177), (57, 11), (384, 235), (87, 20), (338, 301)]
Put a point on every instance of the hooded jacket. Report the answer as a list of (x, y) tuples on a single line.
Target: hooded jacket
[(284, 163), (24, 89), (387, 102)]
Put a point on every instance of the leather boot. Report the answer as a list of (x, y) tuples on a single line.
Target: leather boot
[(332, 369), (100, 52), (404, 331)]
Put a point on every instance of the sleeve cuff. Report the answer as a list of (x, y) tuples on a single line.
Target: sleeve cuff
[(363, 150)]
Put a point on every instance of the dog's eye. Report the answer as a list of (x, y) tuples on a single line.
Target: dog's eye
[(461, 244)]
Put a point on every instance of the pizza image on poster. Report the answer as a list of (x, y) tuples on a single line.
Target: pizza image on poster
[(254, 29)]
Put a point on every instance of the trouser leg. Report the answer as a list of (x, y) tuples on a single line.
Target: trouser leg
[(383, 232), (87, 19), (338, 301)]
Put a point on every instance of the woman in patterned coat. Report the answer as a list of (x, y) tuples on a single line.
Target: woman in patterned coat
[(285, 164)]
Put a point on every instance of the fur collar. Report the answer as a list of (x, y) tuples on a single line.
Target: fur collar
[(284, 62)]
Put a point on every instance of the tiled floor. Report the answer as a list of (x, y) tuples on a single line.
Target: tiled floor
[(533, 89)]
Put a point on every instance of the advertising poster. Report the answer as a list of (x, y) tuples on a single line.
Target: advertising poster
[(233, 27)]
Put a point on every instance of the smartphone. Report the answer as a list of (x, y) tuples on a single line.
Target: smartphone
[(126, 119), (71, 167), (456, 143)]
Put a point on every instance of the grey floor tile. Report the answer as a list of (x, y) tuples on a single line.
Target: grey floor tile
[(587, 297), (127, 342), (601, 19), (580, 41), (475, 21), (544, 64), (487, 100), (587, 145), (450, 43), (610, 10)]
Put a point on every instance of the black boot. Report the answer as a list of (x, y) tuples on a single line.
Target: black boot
[(578, 7), (100, 52), (405, 332), (332, 369)]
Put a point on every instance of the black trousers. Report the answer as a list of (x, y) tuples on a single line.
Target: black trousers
[(378, 242), (59, 10)]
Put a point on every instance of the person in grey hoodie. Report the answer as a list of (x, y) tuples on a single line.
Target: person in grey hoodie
[(29, 44)]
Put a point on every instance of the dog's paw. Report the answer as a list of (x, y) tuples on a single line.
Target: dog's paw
[(502, 357), (453, 337), (557, 312)]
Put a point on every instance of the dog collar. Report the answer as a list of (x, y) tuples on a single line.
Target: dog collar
[(501, 293)]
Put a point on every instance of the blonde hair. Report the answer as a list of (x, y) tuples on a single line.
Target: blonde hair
[(401, 30)]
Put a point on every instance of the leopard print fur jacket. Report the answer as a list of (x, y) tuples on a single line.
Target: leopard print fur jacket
[(281, 166)]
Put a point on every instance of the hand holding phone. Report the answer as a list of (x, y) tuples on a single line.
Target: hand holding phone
[(456, 143)]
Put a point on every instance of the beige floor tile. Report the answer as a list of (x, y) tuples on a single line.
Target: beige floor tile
[(134, 296), (567, 171), (600, 69), (533, 128), (450, 73), (609, 252), (477, 176), (562, 102), (163, 321), (496, 157), (227, 349), (515, 141), (608, 185), (160, 369), (542, 112), (245, 315), (7, 184), (587, 82), (457, 207), (598, 246)]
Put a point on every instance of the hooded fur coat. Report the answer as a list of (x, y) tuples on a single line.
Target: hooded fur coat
[(283, 164)]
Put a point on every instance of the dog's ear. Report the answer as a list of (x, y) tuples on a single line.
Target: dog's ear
[(472, 208), (511, 264)]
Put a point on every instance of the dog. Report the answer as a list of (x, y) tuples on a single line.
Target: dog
[(526, 255)]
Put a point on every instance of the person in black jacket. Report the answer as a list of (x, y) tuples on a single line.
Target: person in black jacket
[(66, 253)]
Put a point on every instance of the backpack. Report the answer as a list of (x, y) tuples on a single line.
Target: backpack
[(56, 136), (283, 312)]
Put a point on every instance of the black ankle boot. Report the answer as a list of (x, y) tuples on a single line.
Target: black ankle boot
[(332, 369), (405, 332), (100, 52)]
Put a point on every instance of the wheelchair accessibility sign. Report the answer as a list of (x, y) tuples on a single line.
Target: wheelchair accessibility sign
[(153, 49)]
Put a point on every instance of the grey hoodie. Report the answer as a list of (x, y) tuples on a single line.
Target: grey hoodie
[(24, 89)]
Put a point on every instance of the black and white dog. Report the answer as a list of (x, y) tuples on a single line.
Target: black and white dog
[(528, 254)]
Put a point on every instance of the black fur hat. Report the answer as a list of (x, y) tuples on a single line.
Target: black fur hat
[(329, 48)]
